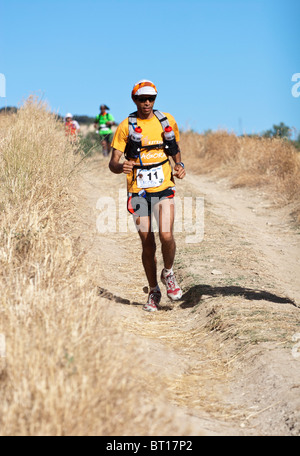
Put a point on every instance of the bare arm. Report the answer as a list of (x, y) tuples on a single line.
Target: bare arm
[(180, 171)]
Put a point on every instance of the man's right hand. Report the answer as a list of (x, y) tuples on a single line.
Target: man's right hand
[(128, 166), (116, 167)]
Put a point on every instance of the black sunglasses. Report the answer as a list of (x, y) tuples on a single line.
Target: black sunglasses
[(143, 99)]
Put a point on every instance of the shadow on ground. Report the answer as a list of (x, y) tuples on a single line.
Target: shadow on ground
[(192, 297), (112, 297)]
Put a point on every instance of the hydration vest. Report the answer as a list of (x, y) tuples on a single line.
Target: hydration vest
[(70, 128), (132, 124), (103, 128)]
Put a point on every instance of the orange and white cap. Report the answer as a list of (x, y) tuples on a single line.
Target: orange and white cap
[(144, 87)]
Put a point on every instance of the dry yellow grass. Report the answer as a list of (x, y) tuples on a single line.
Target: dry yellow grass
[(67, 368), (247, 161)]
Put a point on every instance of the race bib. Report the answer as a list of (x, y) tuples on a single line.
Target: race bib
[(153, 177)]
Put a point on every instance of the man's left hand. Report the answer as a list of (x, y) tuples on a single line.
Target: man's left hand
[(180, 171)]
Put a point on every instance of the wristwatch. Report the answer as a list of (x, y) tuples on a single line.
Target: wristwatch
[(180, 163)]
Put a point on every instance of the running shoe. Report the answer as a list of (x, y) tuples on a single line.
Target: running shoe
[(174, 291), (153, 301)]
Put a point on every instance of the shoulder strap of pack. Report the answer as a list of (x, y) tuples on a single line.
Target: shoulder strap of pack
[(132, 122), (162, 118)]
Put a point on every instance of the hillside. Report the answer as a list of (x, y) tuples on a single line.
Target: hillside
[(81, 357)]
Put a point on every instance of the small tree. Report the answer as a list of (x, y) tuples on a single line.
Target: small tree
[(278, 131)]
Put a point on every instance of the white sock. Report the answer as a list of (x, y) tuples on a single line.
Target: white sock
[(168, 272), (155, 288)]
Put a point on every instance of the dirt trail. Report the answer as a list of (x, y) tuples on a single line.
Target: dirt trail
[(225, 357)]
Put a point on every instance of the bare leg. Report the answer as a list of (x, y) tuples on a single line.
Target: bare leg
[(166, 223), (164, 213), (105, 148), (143, 224)]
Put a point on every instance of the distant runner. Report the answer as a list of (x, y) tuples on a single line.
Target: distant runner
[(72, 127), (148, 138), (103, 122)]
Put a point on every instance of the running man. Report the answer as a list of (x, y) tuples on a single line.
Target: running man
[(103, 122), (72, 127), (150, 185)]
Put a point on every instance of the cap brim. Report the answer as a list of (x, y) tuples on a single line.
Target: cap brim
[(146, 91)]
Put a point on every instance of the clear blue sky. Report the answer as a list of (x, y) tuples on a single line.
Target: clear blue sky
[(216, 63)]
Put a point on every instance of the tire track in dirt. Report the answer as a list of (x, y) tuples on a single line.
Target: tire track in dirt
[(196, 350)]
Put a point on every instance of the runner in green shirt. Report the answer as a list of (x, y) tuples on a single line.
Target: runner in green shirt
[(103, 122)]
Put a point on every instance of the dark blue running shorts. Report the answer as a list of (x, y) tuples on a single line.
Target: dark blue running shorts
[(143, 205)]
